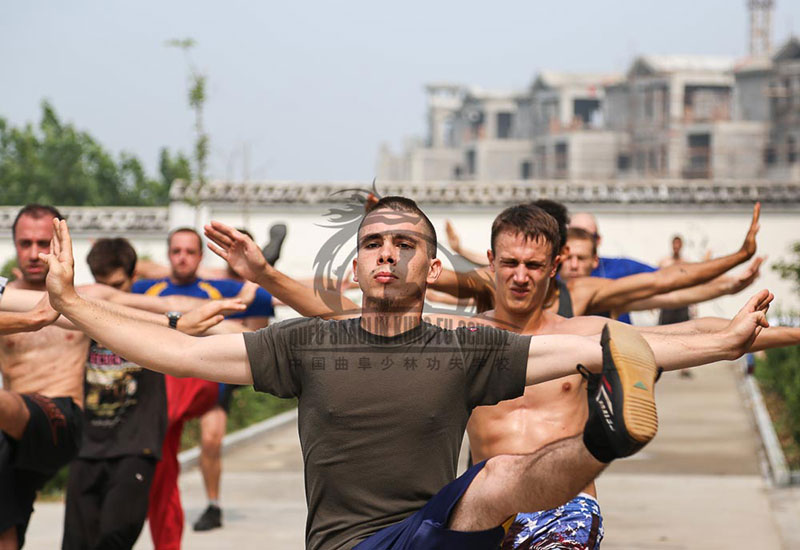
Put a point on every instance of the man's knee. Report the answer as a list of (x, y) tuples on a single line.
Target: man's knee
[(14, 414), (211, 443), (8, 539), (485, 503), (501, 469)]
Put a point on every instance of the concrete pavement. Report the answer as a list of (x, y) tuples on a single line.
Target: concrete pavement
[(697, 486)]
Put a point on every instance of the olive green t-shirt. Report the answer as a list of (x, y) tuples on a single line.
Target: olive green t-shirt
[(381, 419)]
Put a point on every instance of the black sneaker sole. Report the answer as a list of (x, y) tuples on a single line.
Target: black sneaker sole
[(637, 370)]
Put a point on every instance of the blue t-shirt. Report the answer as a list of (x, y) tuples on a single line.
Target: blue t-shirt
[(616, 268), (209, 289)]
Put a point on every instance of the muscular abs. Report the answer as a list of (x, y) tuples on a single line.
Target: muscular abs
[(49, 361), (546, 412)]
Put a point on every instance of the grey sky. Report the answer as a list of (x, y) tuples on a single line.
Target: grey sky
[(313, 88)]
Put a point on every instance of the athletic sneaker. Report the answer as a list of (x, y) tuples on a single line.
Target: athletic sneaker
[(272, 250), (211, 519), (622, 409)]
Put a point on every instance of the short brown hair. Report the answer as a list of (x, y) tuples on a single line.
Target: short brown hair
[(403, 204), (108, 255), (36, 211), (185, 230), (528, 220), (583, 235)]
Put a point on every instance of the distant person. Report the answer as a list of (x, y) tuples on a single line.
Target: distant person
[(610, 268), (189, 398), (681, 314)]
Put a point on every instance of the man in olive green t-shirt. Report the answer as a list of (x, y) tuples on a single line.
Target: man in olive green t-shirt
[(383, 399)]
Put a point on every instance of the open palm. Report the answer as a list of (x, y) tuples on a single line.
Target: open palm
[(61, 265), (242, 254), (750, 320)]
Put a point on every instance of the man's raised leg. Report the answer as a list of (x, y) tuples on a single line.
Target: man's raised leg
[(508, 484), (622, 419), (8, 539), (14, 414)]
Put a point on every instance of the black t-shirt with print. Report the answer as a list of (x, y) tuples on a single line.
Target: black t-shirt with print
[(125, 407)]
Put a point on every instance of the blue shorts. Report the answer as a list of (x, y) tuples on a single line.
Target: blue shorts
[(577, 524), (427, 528)]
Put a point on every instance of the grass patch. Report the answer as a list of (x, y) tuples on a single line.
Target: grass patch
[(778, 375), (778, 412), (247, 407)]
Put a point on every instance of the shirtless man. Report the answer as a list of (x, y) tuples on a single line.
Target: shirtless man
[(42, 396), (40, 405), (523, 269)]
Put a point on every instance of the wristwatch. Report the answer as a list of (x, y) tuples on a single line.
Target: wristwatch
[(173, 317)]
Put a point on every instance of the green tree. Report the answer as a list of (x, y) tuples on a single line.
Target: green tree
[(197, 100), (173, 168), (55, 163)]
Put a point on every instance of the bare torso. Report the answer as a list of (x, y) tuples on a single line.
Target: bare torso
[(545, 413), (49, 361)]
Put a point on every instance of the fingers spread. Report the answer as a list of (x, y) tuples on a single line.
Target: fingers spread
[(225, 230)]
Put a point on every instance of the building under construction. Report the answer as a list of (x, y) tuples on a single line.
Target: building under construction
[(666, 117)]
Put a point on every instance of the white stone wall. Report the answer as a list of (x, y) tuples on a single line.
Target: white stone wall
[(637, 231)]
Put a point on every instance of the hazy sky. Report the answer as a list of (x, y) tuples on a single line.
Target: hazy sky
[(313, 88)]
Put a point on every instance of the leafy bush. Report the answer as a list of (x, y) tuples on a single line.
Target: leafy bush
[(780, 373), (247, 407)]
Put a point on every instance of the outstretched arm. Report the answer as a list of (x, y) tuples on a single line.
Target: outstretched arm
[(455, 245), (245, 258), (28, 320), (219, 358), (719, 340), (553, 356), (614, 294), (156, 304), (768, 338), (722, 285)]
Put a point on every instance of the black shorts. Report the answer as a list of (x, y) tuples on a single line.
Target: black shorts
[(51, 440), (226, 396), (107, 501)]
